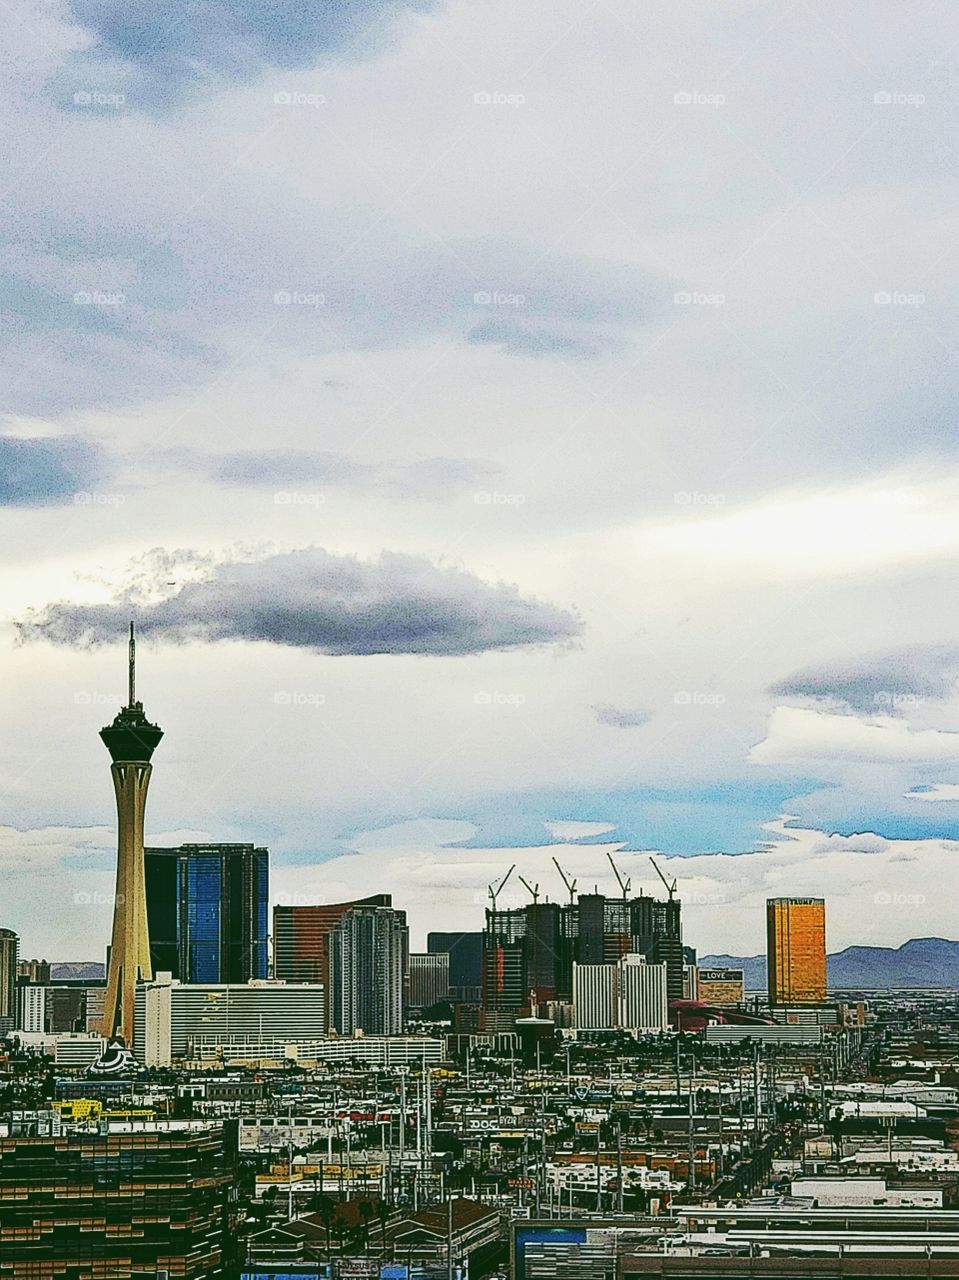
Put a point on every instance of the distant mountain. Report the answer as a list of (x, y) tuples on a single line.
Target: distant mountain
[(920, 962), (74, 969)]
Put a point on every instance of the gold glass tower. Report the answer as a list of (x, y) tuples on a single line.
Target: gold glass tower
[(131, 740), (796, 950)]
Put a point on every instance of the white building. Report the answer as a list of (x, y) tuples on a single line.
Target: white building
[(378, 1051), (630, 994), (33, 1008), (170, 1016), (833, 1192), (641, 1000), (594, 996), (78, 1049)]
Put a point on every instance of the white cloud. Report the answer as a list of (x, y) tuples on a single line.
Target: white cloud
[(801, 734), (878, 891), (577, 830), (939, 791)]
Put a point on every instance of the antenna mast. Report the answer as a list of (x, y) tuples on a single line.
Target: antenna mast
[(133, 665)]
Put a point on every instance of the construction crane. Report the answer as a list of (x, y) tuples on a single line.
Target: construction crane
[(570, 884), (534, 889), (670, 888), (496, 890), (625, 886)]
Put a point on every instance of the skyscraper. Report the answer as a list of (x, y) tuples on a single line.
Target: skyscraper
[(429, 979), (465, 951), (207, 910), (301, 939), (9, 952), (533, 948), (369, 963), (120, 1199), (131, 740), (630, 994), (796, 950)]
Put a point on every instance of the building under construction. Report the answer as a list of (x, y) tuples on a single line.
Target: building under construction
[(529, 951)]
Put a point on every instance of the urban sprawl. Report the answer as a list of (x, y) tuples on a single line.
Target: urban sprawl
[(566, 1092)]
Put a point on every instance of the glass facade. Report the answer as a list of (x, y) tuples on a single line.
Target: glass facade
[(204, 894), (207, 912), (88, 1205)]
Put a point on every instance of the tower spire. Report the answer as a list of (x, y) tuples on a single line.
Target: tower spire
[(133, 668)]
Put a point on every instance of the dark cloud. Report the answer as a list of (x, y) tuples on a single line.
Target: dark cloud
[(893, 681), (44, 471), (330, 604), (159, 54), (621, 717)]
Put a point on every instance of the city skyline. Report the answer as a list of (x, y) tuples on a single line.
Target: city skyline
[(513, 437)]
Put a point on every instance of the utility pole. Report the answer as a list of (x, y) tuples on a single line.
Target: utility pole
[(599, 1168), (692, 1140), (449, 1238), (679, 1091), (619, 1170)]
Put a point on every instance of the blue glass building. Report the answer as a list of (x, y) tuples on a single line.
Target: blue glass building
[(207, 911)]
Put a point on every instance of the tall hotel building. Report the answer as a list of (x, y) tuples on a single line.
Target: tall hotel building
[(319, 944), (630, 994), (9, 952), (207, 910), (118, 1201), (174, 1020), (796, 950)]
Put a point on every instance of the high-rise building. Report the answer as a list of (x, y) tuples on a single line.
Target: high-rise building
[(630, 994), (173, 1017), (796, 950), (33, 1007), (35, 971), (594, 996), (465, 951), (301, 938), (369, 964), (529, 952), (9, 951), (429, 979), (207, 911), (131, 740), (145, 1200), (642, 1002)]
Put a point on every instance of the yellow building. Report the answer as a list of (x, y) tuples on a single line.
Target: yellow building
[(796, 950)]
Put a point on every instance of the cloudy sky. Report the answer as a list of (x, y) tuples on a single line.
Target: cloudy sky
[(519, 430)]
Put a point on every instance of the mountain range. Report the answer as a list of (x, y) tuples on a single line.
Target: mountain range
[(920, 962)]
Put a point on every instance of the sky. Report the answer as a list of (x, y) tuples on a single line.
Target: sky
[(519, 431)]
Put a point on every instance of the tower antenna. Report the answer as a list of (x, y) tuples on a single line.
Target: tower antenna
[(133, 668)]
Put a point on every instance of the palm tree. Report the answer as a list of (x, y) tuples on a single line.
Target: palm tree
[(365, 1210), (326, 1208)]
